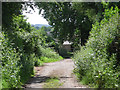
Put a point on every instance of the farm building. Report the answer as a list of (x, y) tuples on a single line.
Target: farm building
[(67, 45)]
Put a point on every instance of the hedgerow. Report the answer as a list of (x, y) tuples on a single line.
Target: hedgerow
[(96, 63), (10, 68), (21, 48)]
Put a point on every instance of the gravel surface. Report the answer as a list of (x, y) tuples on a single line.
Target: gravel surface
[(61, 69)]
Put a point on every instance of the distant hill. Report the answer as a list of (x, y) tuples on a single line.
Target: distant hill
[(47, 28), (37, 26)]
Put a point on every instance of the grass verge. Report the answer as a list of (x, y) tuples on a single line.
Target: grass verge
[(48, 60), (52, 83)]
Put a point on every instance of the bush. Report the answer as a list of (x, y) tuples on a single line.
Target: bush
[(94, 63), (63, 52), (16, 53), (47, 55), (1, 47), (38, 61), (47, 52), (20, 49), (10, 67), (27, 66)]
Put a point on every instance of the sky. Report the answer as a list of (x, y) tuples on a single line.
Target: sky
[(34, 17)]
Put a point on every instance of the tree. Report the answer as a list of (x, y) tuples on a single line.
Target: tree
[(12, 9), (92, 9), (67, 22)]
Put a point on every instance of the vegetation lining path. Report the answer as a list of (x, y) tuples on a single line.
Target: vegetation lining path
[(61, 69)]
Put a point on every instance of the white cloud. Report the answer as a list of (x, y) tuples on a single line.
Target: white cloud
[(35, 18)]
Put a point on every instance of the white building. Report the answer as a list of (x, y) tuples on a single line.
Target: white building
[(67, 45)]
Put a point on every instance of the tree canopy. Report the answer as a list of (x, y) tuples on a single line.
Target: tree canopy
[(68, 23), (73, 21), (12, 9)]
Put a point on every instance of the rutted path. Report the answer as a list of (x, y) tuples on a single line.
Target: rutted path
[(61, 69)]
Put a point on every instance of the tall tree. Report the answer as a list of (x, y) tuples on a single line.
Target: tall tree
[(67, 22), (12, 9)]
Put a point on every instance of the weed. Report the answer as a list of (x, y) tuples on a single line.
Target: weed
[(52, 83)]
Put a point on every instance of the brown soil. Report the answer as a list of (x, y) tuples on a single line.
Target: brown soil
[(62, 69)]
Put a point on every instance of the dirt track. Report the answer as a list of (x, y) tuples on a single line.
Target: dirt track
[(61, 69)]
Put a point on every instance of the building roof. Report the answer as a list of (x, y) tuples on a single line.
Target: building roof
[(67, 43)]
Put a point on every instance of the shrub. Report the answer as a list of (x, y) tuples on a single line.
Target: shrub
[(20, 49), (16, 54), (1, 47), (93, 63), (10, 67), (27, 65), (63, 52), (38, 61), (47, 55)]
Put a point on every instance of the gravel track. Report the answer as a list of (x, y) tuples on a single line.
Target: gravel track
[(62, 69)]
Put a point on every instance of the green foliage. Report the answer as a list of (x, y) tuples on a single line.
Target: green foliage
[(52, 83), (20, 50), (66, 21), (10, 68), (48, 55), (1, 46), (47, 60), (11, 9), (91, 9), (38, 61), (95, 65), (62, 52), (27, 65)]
